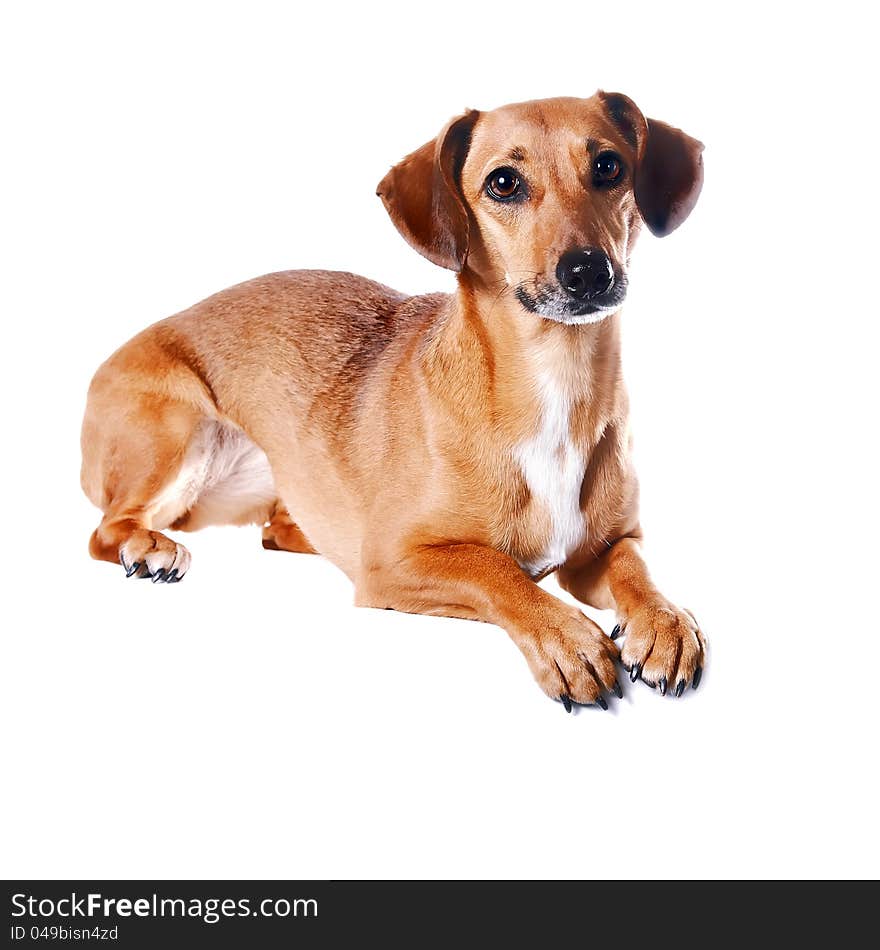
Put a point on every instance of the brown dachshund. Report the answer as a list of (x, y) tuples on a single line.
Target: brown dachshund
[(445, 451)]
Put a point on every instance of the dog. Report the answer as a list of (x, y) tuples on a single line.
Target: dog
[(446, 451)]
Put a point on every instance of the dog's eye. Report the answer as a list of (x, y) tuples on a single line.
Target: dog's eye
[(607, 168), (503, 184)]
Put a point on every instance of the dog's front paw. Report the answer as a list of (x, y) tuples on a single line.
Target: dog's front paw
[(663, 646), (574, 661)]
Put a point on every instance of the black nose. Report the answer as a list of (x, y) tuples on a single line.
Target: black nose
[(585, 272)]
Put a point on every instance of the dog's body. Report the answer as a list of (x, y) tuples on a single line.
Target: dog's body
[(445, 450)]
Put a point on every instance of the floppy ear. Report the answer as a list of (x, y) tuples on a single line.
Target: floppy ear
[(422, 194), (669, 168)]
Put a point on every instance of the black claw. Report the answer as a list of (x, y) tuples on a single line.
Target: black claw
[(565, 702), (600, 701), (172, 576), (663, 684), (617, 690), (698, 672), (679, 689), (635, 672), (133, 569), (159, 575), (615, 633)]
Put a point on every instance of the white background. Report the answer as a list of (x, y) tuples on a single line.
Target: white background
[(250, 722)]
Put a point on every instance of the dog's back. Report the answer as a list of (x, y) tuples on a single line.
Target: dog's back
[(273, 365)]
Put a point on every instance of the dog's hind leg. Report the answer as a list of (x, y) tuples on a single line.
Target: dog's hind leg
[(137, 468), (282, 534)]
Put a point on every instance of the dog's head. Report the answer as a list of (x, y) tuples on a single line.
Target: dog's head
[(546, 198)]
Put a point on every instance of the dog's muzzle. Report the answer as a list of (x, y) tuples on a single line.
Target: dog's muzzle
[(587, 289)]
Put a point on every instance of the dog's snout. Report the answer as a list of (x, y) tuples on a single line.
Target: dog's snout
[(585, 273)]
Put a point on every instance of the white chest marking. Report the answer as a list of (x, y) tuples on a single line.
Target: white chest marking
[(554, 470)]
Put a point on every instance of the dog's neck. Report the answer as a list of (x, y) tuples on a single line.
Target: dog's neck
[(489, 352)]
